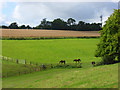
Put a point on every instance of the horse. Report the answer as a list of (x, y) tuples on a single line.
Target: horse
[(76, 60), (93, 63), (62, 61)]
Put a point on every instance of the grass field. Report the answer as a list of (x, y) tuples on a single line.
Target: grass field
[(20, 33), (51, 51), (94, 77)]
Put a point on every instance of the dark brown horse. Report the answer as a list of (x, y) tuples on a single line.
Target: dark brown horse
[(76, 60), (62, 61), (93, 63)]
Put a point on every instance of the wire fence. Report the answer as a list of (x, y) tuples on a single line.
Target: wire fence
[(29, 66)]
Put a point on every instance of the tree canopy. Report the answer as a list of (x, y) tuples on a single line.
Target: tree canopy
[(109, 44), (59, 24)]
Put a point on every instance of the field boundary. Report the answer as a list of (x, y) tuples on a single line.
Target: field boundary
[(42, 38), (35, 66)]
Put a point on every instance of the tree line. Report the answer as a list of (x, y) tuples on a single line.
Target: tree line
[(59, 24)]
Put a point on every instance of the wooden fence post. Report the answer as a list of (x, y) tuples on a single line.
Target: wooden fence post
[(17, 61), (25, 61)]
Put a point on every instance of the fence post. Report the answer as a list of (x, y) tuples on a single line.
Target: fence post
[(17, 61), (25, 61)]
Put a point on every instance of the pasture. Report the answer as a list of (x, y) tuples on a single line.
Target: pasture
[(51, 51), (94, 77)]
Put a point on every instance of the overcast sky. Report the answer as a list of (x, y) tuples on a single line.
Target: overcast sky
[(33, 12)]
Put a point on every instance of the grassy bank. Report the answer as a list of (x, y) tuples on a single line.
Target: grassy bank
[(94, 77)]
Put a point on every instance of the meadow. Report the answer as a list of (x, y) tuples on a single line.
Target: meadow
[(51, 51)]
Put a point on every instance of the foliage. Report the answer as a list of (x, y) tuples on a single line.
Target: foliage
[(5, 27), (59, 24), (109, 42), (71, 21), (106, 60), (13, 26)]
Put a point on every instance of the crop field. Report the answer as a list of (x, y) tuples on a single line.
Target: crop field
[(18, 33)]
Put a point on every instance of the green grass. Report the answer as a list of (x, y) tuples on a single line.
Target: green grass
[(93, 77), (13, 69), (51, 51)]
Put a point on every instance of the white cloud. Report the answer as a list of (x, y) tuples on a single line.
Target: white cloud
[(32, 13), (104, 12), (3, 20)]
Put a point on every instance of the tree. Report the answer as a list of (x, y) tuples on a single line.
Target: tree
[(5, 27), (59, 24), (71, 21), (109, 45), (13, 26), (44, 24), (28, 27), (22, 27)]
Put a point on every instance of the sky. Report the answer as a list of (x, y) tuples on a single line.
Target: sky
[(31, 13)]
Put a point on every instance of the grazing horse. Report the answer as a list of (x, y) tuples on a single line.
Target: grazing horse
[(93, 63), (62, 61), (76, 60)]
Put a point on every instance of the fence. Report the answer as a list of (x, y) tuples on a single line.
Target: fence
[(30, 67)]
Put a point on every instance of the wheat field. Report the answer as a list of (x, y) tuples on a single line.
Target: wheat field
[(46, 33)]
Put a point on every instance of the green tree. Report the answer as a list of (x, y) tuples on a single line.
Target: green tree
[(59, 24), (13, 26), (22, 27), (4, 27), (28, 27), (109, 45), (44, 24), (71, 21)]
